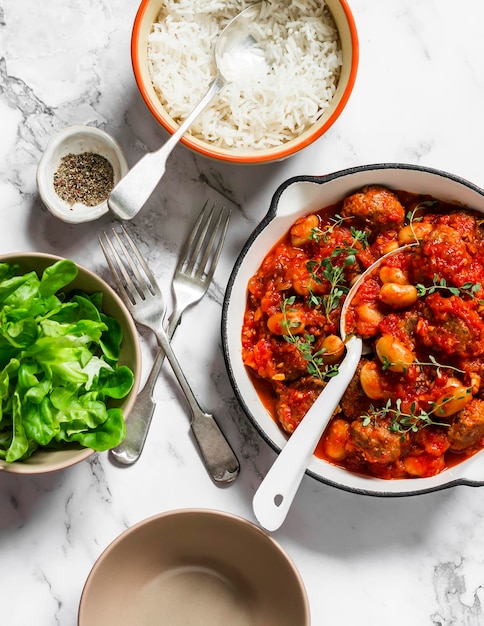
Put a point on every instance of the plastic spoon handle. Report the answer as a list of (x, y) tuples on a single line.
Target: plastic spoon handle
[(275, 494)]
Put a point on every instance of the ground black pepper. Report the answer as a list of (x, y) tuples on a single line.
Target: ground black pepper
[(87, 178)]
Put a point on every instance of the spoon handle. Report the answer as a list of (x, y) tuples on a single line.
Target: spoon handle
[(132, 192), (275, 494)]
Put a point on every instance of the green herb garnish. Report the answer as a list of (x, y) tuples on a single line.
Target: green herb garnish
[(326, 269), (322, 233), (387, 364), (413, 218), (305, 344), (469, 288), (402, 422)]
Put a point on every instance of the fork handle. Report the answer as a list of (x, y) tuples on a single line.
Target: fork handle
[(139, 420), (219, 458)]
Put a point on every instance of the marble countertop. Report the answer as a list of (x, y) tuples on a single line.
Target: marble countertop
[(418, 98)]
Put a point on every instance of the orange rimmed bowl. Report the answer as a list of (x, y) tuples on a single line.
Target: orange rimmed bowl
[(147, 14)]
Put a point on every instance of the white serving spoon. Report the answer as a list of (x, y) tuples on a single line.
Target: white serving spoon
[(276, 492), (237, 56)]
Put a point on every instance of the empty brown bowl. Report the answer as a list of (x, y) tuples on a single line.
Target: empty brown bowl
[(194, 567)]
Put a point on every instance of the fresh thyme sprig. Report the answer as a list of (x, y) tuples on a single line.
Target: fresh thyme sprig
[(387, 364), (469, 288), (322, 233), (401, 421), (305, 344), (288, 323), (412, 215), (334, 273), (315, 364)]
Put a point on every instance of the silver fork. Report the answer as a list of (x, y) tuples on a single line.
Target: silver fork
[(142, 296), (191, 280)]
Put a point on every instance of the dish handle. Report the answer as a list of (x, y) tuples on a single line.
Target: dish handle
[(473, 470), (296, 193)]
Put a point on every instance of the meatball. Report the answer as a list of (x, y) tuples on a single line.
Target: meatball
[(475, 368), (295, 399), (468, 427), (276, 359), (443, 254), (376, 443), (376, 206), (355, 402), (452, 326)]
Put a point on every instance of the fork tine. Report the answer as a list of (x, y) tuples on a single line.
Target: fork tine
[(151, 282), (211, 232), (121, 276), (219, 231), (124, 288), (134, 290), (207, 230), (189, 256), (208, 227)]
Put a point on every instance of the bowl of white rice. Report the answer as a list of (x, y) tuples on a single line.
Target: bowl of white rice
[(312, 48)]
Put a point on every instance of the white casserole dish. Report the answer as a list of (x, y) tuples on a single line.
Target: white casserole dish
[(299, 196)]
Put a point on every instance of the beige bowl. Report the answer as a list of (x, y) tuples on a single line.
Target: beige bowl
[(43, 460), (194, 567), (147, 14)]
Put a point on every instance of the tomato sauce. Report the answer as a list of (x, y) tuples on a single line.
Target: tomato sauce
[(416, 404)]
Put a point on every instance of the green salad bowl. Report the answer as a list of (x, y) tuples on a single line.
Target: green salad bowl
[(54, 351)]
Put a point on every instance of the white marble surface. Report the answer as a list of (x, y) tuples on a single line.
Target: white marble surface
[(418, 98)]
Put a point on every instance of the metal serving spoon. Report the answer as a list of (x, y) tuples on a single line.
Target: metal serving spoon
[(237, 54), (276, 492)]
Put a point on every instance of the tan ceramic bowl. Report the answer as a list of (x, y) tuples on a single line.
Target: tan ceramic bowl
[(43, 461), (194, 567), (146, 16)]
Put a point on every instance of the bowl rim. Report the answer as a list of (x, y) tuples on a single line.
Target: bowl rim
[(245, 156), (24, 467), (68, 137), (208, 513), (375, 487)]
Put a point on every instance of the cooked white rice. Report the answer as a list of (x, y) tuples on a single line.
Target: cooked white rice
[(300, 40)]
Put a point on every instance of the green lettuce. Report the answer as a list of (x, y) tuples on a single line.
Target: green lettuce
[(59, 366)]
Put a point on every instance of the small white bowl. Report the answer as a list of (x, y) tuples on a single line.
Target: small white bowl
[(76, 140)]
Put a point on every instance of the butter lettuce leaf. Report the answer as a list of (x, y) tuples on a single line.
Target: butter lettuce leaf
[(59, 366)]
